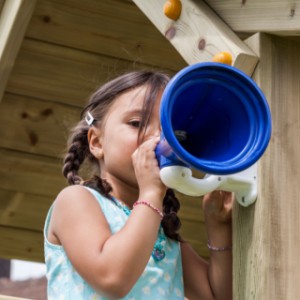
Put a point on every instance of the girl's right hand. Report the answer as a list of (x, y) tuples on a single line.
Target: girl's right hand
[(147, 170)]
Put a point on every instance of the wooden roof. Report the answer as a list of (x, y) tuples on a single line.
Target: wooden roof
[(52, 56)]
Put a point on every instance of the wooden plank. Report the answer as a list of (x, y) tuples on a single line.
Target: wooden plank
[(277, 17), (190, 207), (26, 244), (65, 75), (14, 19), (1, 5), (33, 174), (108, 27), (2, 297), (42, 127), (193, 228), (21, 244), (29, 181), (28, 212), (21, 210), (266, 235), (199, 33), (192, 232)]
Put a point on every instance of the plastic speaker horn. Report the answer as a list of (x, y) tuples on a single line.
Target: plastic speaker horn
[(214, 119)]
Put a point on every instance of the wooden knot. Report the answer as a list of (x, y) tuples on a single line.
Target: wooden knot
[(202, 44), (170, 33)]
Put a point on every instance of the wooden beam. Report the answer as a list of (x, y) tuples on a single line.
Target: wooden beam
[(33, 174), (24, 214), (21, 244), (14, 18), (23, 210), (272, 16), (60, 74), (42, 127), (266, 235), (29, 184), (1, 5), (113, 28), (199, 33)]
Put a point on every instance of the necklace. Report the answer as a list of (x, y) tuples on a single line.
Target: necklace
[(158, 252)]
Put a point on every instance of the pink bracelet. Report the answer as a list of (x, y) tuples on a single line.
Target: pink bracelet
[(151, 206), (219, 249)]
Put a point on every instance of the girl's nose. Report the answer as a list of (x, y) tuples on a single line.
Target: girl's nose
[(157, 132), (152, 134)]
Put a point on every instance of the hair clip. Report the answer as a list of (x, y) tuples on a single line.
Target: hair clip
[(89, 119)]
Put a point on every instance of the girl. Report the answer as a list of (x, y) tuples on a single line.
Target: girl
[(115, 235)]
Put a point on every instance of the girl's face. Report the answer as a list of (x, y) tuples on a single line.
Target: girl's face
[(117, 138)]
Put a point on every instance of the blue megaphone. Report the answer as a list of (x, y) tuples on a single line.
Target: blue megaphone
[(216, 120)]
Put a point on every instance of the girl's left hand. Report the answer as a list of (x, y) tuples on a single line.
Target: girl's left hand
[(217, 207)]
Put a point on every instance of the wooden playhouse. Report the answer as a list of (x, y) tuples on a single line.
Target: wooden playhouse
[(54, 53)]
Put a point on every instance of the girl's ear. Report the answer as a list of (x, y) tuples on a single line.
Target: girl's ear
[(94, 139)]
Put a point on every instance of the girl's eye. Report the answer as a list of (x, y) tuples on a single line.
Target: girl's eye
[(135, 123)]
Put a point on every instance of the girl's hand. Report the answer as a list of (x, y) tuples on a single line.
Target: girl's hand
[(217, 207), (147, 170)]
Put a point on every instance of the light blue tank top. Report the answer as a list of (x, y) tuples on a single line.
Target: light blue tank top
[(160, 280)]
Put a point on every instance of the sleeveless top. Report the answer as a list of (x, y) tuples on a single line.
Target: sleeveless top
[(161, 280)]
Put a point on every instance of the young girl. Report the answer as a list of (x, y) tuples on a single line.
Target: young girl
[(115, 235)]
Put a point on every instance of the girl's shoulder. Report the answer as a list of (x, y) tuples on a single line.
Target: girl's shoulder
[(75, 190), (76, 210), (76, 203), (77, 195)]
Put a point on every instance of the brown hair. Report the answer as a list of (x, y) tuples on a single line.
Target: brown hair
[(98, 106)]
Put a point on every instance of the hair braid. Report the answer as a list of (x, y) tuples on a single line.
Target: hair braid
[(171, 222), (78, 150)]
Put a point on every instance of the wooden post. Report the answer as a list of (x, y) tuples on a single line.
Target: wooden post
[(14, 18), (266, 235)]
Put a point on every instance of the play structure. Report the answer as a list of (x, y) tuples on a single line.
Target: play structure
[(53, 54)]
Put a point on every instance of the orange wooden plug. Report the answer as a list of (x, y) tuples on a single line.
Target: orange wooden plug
[(172, 9), (223, 57)]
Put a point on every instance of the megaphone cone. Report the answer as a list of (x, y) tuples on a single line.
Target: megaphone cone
[(214, 119)]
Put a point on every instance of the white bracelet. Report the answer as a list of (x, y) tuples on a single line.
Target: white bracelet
[(219, 249)]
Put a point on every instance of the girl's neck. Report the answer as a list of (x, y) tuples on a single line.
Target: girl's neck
[(123, 191)]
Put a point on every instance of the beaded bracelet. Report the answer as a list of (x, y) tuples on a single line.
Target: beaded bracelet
[(219, 249), (151, 206)]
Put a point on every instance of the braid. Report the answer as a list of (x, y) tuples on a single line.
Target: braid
[(171, 222), (78, 150)]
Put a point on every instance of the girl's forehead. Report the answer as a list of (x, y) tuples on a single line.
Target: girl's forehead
[(132, 99)]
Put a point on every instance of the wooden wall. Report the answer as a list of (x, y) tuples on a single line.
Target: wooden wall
[(70, 47), (266, 235)]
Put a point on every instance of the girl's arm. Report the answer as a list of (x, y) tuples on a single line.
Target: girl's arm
[(110, 262), (211, 280)]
